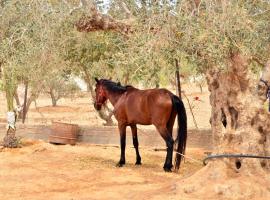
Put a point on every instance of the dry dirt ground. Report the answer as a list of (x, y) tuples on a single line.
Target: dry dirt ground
[(40, 170)]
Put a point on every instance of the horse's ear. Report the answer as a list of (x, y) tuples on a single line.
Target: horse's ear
[(118, 83), (96, 79)]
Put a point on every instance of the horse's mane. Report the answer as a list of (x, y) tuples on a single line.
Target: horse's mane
[(115, 87)]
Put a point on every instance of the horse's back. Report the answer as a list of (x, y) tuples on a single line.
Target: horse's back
[(152, 106)]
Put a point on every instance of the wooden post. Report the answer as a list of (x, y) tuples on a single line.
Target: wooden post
[(25, 101), (178, 83)]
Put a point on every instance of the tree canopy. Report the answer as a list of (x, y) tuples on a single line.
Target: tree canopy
[(40, 36)]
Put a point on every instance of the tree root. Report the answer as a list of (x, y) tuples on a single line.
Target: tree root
[(218, 181)]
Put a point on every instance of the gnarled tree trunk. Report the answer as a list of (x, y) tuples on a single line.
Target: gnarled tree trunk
[(247, 130), (10, 140), (18, 103), (54, 97), (234, 95)]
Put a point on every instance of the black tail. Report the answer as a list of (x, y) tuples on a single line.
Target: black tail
[(182, 129)]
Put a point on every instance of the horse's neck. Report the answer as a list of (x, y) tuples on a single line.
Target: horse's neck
[(114, 97)]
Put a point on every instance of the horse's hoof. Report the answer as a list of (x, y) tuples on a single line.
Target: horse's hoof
[(167, 169), (138, 163), (120, 164)]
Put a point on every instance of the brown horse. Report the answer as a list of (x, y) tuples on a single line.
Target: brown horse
[(153, 106)]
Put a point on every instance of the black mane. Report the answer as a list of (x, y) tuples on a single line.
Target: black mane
[(114, 87)]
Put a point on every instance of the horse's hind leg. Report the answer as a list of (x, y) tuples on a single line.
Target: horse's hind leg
[(170, 123), (122, 130), (136, 144), (167, 136)]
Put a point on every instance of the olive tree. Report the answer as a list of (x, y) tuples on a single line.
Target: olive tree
[(227, 40), (26, 45)]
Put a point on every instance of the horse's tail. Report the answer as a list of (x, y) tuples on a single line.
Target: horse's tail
[(182, 130)]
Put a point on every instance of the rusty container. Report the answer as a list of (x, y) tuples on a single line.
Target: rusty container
[(63, 133)]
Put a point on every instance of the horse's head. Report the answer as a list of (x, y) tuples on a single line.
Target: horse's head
[(101, 95)]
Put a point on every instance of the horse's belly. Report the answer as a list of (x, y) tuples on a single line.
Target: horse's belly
[(140, 122), (139, 119)]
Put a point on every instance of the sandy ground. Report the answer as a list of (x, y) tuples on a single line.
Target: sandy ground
[(44, 171), (40, 170)]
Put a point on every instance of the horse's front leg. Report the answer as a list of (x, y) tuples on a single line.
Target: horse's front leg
[(122, 131), (136, 144)]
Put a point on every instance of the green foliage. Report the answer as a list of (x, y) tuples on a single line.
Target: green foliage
[(28, 43), (38, 39), (59, 85), (217, 29), (92, 51)]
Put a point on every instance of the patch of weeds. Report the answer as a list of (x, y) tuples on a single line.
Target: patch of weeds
[(89, 162)]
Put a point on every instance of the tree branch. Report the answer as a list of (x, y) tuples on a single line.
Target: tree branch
[(127, 11), (257, 60), (100, 22)]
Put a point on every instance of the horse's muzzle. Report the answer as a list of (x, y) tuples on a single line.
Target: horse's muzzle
[(97, 106)]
